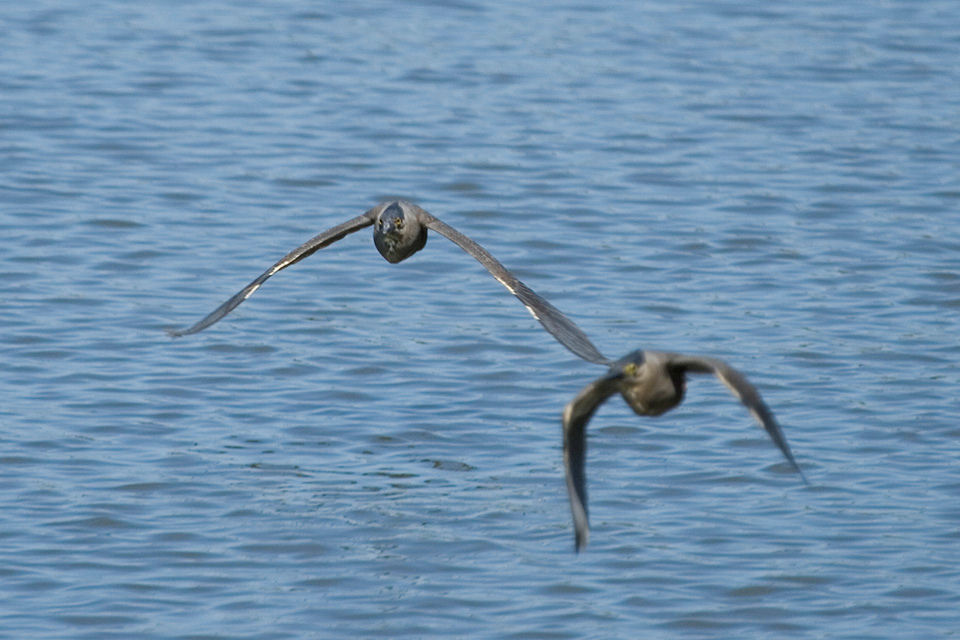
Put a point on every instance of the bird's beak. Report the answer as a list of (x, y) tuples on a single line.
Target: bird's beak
[(390, 229)]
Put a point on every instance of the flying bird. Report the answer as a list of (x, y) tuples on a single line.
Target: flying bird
[(652, 383), (399, 231)]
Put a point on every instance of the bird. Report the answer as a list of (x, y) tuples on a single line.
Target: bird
[(652, 383), (399, 231)]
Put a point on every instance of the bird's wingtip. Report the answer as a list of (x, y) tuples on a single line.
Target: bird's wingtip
[(580, 540)]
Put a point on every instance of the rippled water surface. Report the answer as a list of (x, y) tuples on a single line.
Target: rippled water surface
[(373, 450)]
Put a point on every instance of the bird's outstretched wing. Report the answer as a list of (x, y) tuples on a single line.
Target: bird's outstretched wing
[(560, 326), (745, 392), (576, 415), (306, 249)]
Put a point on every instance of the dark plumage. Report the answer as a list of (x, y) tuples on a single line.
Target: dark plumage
[(399, 231), (652, 383)]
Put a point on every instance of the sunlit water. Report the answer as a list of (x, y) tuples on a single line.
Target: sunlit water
[(373, 450)]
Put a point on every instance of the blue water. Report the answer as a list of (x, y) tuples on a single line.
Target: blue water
[(373, 450)]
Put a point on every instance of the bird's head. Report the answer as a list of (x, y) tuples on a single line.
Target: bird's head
[(630, 364), (649, 382), (397, 232)]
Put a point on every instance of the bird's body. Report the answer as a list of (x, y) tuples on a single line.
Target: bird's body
[(400, 230), (654, 387), (652, 383)]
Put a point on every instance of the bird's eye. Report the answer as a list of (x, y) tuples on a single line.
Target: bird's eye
[(399, 223)]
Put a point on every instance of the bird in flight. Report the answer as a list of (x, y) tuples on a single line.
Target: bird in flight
[(399, 231), (652, 383)]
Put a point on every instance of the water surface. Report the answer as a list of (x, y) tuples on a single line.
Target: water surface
[(373, 450)]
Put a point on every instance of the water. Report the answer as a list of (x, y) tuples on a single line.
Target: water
[(373, 450)]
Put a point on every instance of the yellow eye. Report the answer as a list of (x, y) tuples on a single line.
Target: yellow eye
[(630, 369)]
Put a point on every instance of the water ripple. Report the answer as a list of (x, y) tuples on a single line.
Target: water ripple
[(374, 450)]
